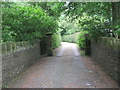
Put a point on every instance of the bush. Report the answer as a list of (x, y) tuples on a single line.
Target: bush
[(56, 40), (70, 38), (81, 39), (117, 33), (24, 22)]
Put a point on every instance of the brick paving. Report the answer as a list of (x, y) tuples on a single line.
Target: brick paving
[(66, 69)]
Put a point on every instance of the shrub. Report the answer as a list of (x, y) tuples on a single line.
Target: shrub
[(56, 40), (117, 33), (81, 39), (23, 22), (70, 38)]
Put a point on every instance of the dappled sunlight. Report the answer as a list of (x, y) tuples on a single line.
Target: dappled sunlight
[(66, 46)]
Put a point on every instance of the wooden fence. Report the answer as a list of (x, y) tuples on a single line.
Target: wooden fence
[(10, 47)]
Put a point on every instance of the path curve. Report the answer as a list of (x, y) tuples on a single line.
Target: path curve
[(66, 69)]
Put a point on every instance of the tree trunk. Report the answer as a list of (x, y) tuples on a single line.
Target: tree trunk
[(115, 12)]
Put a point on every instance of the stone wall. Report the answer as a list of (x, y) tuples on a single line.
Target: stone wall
[(16, 62), (106, 53)]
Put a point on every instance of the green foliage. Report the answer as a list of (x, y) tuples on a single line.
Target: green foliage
[(93, 24), (76, 9), (24, 22), (81, 39), (94, 17), (52, 8), (117, 33), (70, 38), (8, 35), (56, 40), (32, 20), (66, 27)]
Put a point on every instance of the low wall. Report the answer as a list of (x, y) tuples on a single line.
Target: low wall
[(16, 62), (106, 53)]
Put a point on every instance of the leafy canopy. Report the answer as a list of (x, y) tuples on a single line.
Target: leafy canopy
[(23, 22)]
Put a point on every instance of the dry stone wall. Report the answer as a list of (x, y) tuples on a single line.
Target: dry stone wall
[(108, 57), (16, 62)]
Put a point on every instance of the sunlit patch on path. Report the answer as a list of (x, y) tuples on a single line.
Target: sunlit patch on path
[(68, 46), (62, 49)]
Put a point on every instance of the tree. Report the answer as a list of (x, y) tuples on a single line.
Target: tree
[(24, 22), (53, 9), (94, 17), (67, 27)]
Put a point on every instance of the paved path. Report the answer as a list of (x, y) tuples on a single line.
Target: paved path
[(66, 69)]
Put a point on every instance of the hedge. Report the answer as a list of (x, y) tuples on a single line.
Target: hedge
[(56, 40)]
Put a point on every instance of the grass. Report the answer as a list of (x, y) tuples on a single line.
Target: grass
[(82, 53)]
